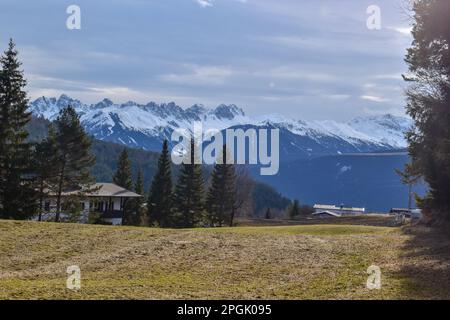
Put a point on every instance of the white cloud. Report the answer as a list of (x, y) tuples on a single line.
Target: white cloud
[(338, 96), (52, 86), (294, 41), (293, 72), (203, 75), (310, 60), (341, 43), (209, 3), (373, 98), (205, 3)]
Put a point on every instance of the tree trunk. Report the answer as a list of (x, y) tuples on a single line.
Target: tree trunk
[(58, 196), (58, 201), (125, 213), (232, 217), (410, 197), (41, 199), (221, 215)]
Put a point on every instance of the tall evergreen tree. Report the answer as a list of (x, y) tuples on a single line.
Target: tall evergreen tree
[(17, 194), (222, 193), (139, 184), (428, 102), (189, 192), (72, 157), (123, 178), (139, 189), (159, 204), (45, 166)]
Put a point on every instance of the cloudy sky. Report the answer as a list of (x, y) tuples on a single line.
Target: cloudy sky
[(309, 59)]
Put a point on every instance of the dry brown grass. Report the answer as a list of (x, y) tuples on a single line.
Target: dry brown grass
[(380, 220), (285, 262)]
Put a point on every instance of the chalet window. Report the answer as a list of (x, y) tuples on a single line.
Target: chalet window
[(100, 206), (47, 206)]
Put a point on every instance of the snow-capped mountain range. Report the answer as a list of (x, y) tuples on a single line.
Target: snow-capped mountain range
[(146, 125)]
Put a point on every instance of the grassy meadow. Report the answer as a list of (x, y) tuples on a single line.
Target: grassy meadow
[(247, 262)]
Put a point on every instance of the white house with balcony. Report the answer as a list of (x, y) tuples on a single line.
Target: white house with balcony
[(105, 199)]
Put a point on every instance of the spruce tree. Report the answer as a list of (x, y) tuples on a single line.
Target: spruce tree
[(17, 194), (159, 204), (139, 189), (189, 193), (72, 156), (45, 167), (222, 193), (428, 102), (122, 176), (139, 184)]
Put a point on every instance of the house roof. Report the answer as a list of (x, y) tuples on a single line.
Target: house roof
[(103, 189), (401, 209), (331, 207), (334, 214), (113, 190)]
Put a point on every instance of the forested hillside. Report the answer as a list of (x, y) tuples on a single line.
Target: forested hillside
[(107, 154)]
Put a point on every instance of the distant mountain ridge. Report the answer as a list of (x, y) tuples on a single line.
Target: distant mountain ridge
[(147, 125), (107, 154)]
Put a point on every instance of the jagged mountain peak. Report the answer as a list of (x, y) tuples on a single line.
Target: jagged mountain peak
[(382, 117), (224, 111), (197, 108), (105, 103), (146, 125), (65, 100), (129, 103)]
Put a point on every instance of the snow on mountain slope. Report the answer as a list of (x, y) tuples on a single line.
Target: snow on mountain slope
[(386, 129), (145, 126), (319, 129)]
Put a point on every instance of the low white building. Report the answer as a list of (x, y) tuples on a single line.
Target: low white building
[(105, 199), (335, 211), (409, 213)]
